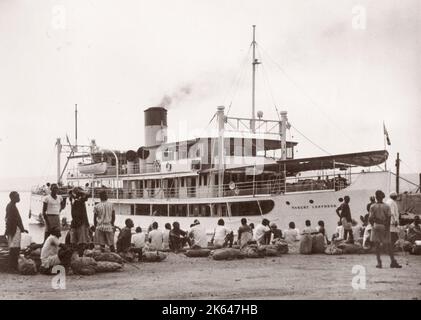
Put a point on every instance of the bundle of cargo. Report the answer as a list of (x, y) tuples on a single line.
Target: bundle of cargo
[(151, 256), (333, 250), (226, 254), (97, 255), (4, 254), (127, 256), (105, 266), (27, 266), (306, 244), (252, 251), (197, 253), (278, 248), (83, 265), (350, 248), (318, 243)]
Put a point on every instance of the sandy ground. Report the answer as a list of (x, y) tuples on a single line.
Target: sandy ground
[(292, 276)]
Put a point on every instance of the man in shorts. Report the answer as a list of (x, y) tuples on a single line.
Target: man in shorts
[(104, 217), (380, 218)]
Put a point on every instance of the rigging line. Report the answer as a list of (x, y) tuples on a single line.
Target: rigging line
[(308, 139), (235, 80), (409, 181), (315, 104)]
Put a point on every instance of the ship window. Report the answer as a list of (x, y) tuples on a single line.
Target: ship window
[(142, 209), (311, 201), (251, 208), (288, 203)]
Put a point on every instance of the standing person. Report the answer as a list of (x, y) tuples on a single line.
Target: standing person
[(394, 221), (79, 227), (124, 240), (344, 213), (262, 233), (197, 235), (104, 217), (380, 217), (139, 242), (372, 201), (245, 234), (292, 234), (220, 235), (155, 238), (14, 228), (53, 204), (166, 237), (178, 237)]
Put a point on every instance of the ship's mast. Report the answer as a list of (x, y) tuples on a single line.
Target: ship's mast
[(76, 127), (253, 97)]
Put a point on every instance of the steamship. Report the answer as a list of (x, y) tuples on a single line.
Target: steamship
[(247, 169)]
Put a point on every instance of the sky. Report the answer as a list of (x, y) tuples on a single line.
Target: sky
[(339, 75)]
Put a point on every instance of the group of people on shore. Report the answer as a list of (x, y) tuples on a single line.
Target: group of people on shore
[(379, 227)]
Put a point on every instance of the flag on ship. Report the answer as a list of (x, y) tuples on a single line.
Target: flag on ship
[(386, 134)]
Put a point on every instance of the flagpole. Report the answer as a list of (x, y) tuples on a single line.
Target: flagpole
[(384, 142)]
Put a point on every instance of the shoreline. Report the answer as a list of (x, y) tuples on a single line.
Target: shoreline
[(291, 276)]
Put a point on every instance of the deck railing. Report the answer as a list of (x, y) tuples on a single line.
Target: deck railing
[(265, 187)]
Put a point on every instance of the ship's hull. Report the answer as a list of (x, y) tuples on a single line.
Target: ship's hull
[(296, 206)]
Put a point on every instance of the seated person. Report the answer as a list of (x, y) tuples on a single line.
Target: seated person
[(277, 233), (292, 234), (178, 238), (308, 229), (222, 235), (262, 233), (138, 242), (321, 229), (414, 230), (155, 238), (125, 237), (197, 235), (339, 234), (50, 249), (245, 234)]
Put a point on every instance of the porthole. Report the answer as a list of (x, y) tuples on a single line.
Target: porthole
[(288, 203), (311, 201), (341, 199)]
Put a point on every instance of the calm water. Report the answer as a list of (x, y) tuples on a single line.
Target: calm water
[(36, 231)]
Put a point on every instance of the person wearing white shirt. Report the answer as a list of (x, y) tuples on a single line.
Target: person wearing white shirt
[(262, 233), (394, 219), (139, 242), (220, 235), (292, 234), (197, 234), (49, 252), (52, 206), (155, 238)]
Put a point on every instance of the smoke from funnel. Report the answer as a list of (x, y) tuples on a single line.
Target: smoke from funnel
[(178, 96)]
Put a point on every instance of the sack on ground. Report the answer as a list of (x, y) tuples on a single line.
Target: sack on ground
[(197, 253), (26, 266), (107, 256), (281, 246), (318, 243), (105, 266), (127, 256), (306, 244), (252, 252), (226, 254), (349, 248), (333, 250), (151, 256), (83, 265)]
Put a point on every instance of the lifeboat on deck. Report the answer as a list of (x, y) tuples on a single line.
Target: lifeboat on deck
[(92, 168)]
